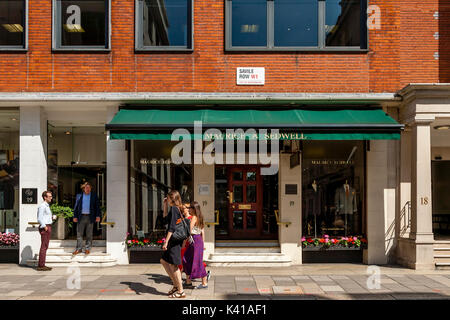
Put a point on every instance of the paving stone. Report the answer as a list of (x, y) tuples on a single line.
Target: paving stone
[(332, 288), (19, 293), (311, 288), (48, 278), (65, 293), (265, 290), (321, 279), (397, 287), (339, 277), (287, 290), (440, 279), (243, 278)]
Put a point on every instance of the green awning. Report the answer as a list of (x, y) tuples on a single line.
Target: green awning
[(293, 124)]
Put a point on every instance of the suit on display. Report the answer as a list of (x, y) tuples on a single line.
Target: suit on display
[(346, 203)]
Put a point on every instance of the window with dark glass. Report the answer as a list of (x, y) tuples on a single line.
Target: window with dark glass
[(296, 24), (163, 24), (81, 24), (342, 23), (12, 23)]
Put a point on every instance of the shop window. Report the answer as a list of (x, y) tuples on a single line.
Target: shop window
[(441, 200), (9, 171), (164, 25), (13, 24), (152, 176), (81, 24), (296, 25), (333, 188)]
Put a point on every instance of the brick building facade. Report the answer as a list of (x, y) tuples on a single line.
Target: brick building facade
[(62, 98)]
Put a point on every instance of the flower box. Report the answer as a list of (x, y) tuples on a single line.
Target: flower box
[(331, 248), (333, 254), (151, 254), (9, 254)]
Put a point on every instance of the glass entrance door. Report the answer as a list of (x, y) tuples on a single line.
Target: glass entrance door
[(244, 202)]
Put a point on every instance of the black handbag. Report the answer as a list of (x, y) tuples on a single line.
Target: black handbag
[(182, 230)]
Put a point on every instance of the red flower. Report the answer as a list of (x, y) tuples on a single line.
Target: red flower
[(322, 240), (309, 240), (146, 241)]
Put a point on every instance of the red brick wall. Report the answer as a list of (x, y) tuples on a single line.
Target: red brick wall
[(401, 52)]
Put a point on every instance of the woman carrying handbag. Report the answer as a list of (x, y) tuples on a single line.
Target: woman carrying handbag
[(171, 257)]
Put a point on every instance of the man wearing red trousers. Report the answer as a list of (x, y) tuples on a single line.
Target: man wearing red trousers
[(44, 216)]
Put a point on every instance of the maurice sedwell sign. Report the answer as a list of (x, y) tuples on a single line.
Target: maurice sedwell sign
[(250, 76)]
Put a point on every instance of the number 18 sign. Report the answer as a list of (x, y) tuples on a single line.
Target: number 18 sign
[(250, 76)]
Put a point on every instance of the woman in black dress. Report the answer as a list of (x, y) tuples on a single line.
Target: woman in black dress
[(171, 257)]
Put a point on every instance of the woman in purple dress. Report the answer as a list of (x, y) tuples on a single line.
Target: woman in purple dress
[(193, 257)]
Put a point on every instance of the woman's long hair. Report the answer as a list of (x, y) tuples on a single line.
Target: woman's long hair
[(175, 198), (198, 213)]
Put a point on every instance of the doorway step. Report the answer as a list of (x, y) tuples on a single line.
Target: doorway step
[(59, 254), (240, 253), (441, 251)]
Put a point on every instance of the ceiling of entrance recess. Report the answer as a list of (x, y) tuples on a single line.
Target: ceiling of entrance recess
[(440, 137)]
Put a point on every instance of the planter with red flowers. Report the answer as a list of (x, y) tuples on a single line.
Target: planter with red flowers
[(329, 250), (144, 250), (9, 248)]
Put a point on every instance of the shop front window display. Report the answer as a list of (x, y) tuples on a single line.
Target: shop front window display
[(333, 182)]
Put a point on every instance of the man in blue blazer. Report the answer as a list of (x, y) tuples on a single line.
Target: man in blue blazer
[(85, 213)]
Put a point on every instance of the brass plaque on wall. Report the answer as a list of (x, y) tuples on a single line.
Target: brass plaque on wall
[(245, 206)]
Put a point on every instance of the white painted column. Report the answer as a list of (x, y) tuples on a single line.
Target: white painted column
[(116, 199), (204, 175), (33, 174), (290, 210), (381, 201), (405, 184), (421, 208)]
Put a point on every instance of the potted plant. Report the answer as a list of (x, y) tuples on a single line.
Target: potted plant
[(62, 213), (9, 247)]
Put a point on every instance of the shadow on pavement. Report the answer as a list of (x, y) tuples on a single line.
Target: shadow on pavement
[(158, 278), (140, 288)]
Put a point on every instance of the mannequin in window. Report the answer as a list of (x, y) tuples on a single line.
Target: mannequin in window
[(185, 197), (346, 204)]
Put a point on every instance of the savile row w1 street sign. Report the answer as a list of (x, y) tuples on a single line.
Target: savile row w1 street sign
[(250, 76)]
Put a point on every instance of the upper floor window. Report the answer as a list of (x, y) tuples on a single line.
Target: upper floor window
[(164, 24), (295, 25), (13, 24), (81, 24)]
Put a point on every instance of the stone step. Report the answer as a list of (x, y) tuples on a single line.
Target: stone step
[(56, 250), (246, 244), (442, 265), (247, 250), (73, 243), (442, 258), (65, 264), (64, 259), (246, 259)]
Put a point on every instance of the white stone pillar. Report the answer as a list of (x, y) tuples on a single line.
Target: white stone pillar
[(290, 210), (204, 175), (116, 199), (33, 174), (381, 201), (421, 209), (405, 184)]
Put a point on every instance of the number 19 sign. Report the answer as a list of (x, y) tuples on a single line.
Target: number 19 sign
[(250, 76)]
